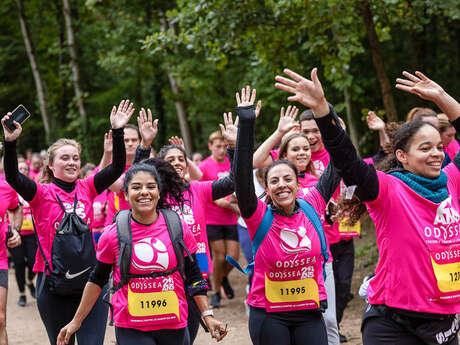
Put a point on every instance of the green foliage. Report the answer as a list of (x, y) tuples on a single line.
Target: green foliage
[(213, 48)]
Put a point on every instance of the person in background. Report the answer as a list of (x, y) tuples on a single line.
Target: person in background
[(447, 131), (24, 255), (197, 158), (36, 165), (220, 220)]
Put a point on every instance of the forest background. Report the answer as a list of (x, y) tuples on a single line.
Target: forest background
[(70, 61)]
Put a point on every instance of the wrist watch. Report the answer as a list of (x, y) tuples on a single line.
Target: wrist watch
[(208, 312)]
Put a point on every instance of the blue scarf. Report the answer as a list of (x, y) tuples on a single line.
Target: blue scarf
[(434, 190)]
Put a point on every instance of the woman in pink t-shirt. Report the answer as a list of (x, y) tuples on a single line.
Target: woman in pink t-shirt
[(196, 195), (151, 309), (62, 177), (287, 293), (415, 294)]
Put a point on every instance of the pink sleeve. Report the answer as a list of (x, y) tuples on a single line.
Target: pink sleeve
[(453, 176), (189, 239), (108, 243), (274, 154), (38, 197), (315, 199), (369, 161), (14, 200), (253, 222), (89, 181)]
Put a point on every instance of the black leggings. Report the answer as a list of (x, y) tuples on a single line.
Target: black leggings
[(129, 336), (193, 323), (24, 255), (287, 328), (57, 311), (382, 330)]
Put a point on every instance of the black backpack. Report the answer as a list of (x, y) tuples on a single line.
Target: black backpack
[(125, 245), (73, 256)]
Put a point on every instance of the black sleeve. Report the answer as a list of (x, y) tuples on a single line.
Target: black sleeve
[(224, 186), (194, 281), (244, 180), (141, 154), (456, 160), (328, 182), (106, 177), (20, 183), (100, 274), (346, 160)]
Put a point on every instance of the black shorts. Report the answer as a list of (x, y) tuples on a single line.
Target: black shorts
[(222, 232), (4, 278)]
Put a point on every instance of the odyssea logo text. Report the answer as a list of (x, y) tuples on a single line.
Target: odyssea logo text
[(295, 241), (150, 254), (446, 223)]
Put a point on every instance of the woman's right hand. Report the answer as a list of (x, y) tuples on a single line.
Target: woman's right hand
[(287, 119), (216, 328), (67, 331), (247, 98), (148, 128), (374, 122), (8, 134)]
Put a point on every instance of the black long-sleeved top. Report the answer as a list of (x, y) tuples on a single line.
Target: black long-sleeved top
[(220, 188), (101, 273), (350, 166), (102, 180), (244, 183)]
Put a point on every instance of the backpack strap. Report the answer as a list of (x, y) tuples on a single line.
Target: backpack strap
[(47, 264), (176, 233), (259, 237), (316, 221), (125, 245)]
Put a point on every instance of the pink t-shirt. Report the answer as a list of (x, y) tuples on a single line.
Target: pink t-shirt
[(212, 171), (8, 201), (288, 271), (320, 161), (34, 174), (27, 227), (116, 201), (194, 214), (452, 148), (148, 304), (48, 213), (369, 160), (419, 247), (99, 211), (274, 154)]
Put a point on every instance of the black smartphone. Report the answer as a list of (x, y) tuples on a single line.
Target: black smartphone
[(20, 114)]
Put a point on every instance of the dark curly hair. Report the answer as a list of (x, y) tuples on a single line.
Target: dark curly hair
[(171, 186)]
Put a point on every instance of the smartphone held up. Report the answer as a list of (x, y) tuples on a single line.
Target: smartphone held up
[(20, 114)]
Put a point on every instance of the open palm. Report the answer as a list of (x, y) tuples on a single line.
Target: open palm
[(419, 85), (121, 115)]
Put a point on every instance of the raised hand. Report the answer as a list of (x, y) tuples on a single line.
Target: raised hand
[(108, 142), (7, 133), (287, 119), (120, 117), (229, 129), (420, 85), (175, 140), (247, 98), (258, 107), (308, 92), (374, 122), (147, 128)]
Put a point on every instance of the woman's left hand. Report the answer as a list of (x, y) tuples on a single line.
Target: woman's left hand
[(14, 240), (229, 129), (420, 85), (120, 117), (217, 329)]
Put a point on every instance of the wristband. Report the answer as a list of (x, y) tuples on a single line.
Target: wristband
[(208, 312)]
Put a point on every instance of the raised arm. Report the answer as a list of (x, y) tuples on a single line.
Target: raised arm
[(118, 119), (244, 182), (287, 122), (25, 186), (375, 123), (349, 165), (108, 147), (425, 88)]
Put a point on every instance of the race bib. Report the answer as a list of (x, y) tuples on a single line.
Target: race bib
[(447, 275), (349, 230), (446, 267), (153, 303), (292, 290), (27, 224)]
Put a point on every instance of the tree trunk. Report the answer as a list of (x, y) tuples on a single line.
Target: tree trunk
[(377, 57), (39, 84), (351, 127), (75, 67), (180, 107)]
